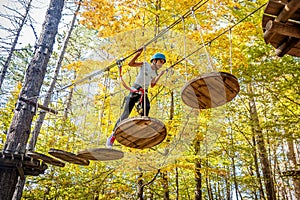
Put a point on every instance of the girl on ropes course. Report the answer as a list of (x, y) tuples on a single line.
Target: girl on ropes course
[(147, 75)]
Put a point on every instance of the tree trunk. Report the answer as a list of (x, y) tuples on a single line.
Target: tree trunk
[(47, 99), (228, 185), (165, 185), (208, 188), (261, 191), (13, 46), (293, 161), (19, 130), (41, 117), (177, 182), (140, 187), (265, 163), (232, 156), (198, 179), (172, 106), (69, 103), (198, 175)]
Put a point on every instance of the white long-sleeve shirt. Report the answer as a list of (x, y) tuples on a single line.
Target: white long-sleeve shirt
[(146, 74)]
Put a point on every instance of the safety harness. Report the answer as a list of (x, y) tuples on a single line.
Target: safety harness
[(136, 90)]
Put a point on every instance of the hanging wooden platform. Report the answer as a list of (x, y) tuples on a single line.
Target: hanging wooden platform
[(281, 26), (210, 90), (25, 165), (45, 158), (101, 154), (68, 157), (140, 132)]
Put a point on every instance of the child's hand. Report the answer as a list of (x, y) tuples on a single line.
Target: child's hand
[(140, 50)]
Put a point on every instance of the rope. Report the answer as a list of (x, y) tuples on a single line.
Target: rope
[(184, 49), (177, 62), (230, 51), (209, 42), (123, 82), (143, 97), (188, 13), (140, 90), (197, 6), (202, 41)]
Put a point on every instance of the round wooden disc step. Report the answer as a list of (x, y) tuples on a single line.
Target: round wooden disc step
[(140, 132), (68, 157), (210, 90), (101, 154), (45, 158)]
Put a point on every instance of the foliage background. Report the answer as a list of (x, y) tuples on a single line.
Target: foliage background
[(222, 139)]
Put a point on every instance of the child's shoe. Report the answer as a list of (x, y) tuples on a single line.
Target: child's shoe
[(110, 141)]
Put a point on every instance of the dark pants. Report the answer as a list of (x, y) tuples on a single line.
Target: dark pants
[(130, 101)]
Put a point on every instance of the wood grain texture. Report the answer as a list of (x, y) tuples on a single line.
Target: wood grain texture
[(210, 90), (140, 132), (68, 157), (101, 154), (281, 25)]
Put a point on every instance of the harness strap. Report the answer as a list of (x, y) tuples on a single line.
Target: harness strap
[(129, 88)]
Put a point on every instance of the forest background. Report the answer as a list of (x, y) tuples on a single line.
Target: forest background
[(241, 150)]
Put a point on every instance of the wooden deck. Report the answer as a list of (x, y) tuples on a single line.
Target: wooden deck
[(281, 26)]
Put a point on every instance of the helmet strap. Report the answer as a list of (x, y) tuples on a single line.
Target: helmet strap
[(154, 64)]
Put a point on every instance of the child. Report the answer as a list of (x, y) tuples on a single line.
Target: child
[(147, 76)]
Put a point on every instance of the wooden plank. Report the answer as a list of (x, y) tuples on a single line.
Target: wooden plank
[(286, 46), (282, 27), (274, 7), (278, 40), (272, 28), (195, 97), (32, 103), (294, 52), (45, 158), (289, 10), (24, 164)]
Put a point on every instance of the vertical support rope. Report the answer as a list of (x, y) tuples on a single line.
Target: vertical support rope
[(230, 50), (184, 47), (202, 41), (145, 92), (101, 111), (120, 89), (86, 111)]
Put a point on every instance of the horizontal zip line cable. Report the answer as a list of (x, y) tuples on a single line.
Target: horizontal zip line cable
[(160, 34), (209, 42), (164, 31), (188, 13), (179, 20)]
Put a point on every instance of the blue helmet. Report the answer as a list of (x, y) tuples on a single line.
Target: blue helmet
[(158, 56)]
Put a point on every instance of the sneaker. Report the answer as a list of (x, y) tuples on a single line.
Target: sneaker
[(110, 141)]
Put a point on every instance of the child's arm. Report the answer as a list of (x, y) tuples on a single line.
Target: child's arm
[(133, 62), (155, 80)]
